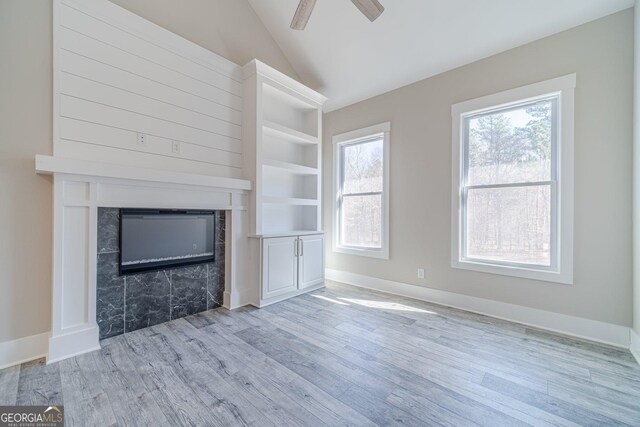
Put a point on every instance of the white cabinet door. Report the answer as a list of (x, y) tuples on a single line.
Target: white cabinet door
[(311, 261), (279, 266)]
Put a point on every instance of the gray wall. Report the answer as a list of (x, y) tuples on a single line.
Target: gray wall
[(601, 53), (25, 198), (229, 28)]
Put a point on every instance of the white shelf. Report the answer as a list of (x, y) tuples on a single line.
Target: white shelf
[(285, 133), (290, 201), (287, 233), (290, 167)]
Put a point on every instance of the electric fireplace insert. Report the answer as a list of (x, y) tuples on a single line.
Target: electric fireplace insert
[(158, 239)]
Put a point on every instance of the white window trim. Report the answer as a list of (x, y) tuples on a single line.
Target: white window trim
[(338, 141), (565, 87)]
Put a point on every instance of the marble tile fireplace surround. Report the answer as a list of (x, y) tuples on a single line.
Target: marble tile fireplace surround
[(126, 303), (86, 198)]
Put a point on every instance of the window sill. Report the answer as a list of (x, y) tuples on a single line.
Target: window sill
[(371, 253), (565, 278)]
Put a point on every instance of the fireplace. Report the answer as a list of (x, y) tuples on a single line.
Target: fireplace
[(157, 239), (91, 299), (157, 290)]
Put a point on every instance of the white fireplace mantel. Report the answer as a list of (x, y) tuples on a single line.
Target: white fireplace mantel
[(79, 188), (49, 165)]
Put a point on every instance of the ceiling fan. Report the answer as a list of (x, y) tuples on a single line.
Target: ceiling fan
[(370, 8)]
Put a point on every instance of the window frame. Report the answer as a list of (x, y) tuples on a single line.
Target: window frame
[(560, 182), (360, 136)]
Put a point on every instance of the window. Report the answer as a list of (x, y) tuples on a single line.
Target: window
[(513, 182), (361, 185)]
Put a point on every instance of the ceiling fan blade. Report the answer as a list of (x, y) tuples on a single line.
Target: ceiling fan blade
[(302, 15), (372, 9)]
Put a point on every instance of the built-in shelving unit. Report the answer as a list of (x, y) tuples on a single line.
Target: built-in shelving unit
[(282, 149)]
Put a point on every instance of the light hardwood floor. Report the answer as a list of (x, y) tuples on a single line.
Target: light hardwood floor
[(337, 356)]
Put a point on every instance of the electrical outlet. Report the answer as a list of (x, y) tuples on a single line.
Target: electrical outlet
[(142, 140), (175, 147), (421, 273)]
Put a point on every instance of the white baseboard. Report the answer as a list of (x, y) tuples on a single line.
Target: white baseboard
[(273, 300), (593, 330), (635, 345), (23, 350), (239, 298), (73, 344)]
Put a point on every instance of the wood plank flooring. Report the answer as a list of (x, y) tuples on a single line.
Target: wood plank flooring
[(338, 356)]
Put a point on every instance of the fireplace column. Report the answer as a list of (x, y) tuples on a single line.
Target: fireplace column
[(73, 325)]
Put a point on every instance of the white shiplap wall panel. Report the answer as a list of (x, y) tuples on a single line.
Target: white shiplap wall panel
[(82, 88), (93, 112), (144, 160), (118, 76), (91, 133), (100, 29), (152, 33), (116, 58), (110, 75)]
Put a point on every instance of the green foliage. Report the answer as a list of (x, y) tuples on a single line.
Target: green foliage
[(538, 131), (493, 140)]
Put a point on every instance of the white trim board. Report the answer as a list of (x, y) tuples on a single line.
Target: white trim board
[(635, 345), (65, 345), (22, 350), (593, 330)]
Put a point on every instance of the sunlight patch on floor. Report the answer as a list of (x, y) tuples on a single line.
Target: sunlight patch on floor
[(385, 305), (329, 299)]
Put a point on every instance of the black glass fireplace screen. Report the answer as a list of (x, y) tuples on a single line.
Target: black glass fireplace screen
[(152, 239)]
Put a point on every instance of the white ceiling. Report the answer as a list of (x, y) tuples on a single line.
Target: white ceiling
[(349, 59)]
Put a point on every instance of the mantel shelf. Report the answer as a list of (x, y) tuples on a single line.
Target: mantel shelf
[(49, 165), (279, 131), (290, 167), (290, 201)]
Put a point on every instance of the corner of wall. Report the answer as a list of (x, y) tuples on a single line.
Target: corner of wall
[(635, 330), (635, 345)]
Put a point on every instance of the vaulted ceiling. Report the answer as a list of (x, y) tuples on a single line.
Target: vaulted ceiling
[(350, 59)]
